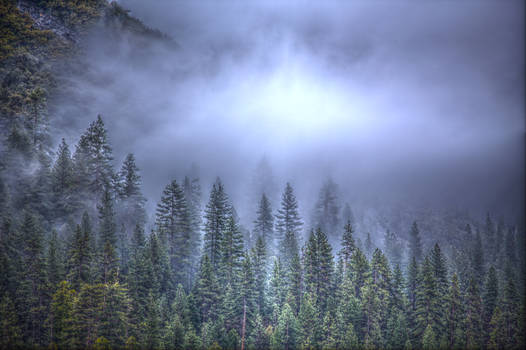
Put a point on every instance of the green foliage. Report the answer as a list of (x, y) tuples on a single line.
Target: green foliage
[(216, 218), (288, 226)]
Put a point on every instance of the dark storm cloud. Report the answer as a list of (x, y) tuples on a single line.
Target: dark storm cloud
[(416, 101)]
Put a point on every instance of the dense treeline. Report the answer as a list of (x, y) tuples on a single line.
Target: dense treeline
[(78, 270)]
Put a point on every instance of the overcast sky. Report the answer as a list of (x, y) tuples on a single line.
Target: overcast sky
[(414, 101)]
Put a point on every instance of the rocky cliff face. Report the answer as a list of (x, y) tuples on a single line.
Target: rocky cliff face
[(43, 19)]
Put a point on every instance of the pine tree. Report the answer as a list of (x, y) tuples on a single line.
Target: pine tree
[(348, 245), (161, 279), (288, 226), (393, 248), (62, 179), (80, 256), (108, 240), (510, 306), (497, 334), (455, 316), (490, 297), (100, 156), (415, 246), (55, 268), (429, 341), (309, 320), (10, 332), (174, 226), (294, 281), (287, 333), (347, 214), (87, 312), (206, 290), (152, 323), (359, 271), (139, 283), (413, 285), (259, 262), (33, 285), (381, 285), (259, 338), (327, 210), (369, 246), (216, 216), (264, 223), (231, 253), (427, 307), (61, 313), (372, 316), (130, 204), (318, 269), (277, 290), (247, 298), (192, 193), (489, 238), (473, 316), (438, 262)]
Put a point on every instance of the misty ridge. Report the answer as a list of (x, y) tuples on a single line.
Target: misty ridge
[(231, 175)]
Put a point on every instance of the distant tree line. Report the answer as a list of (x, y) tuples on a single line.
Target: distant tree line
[(78, 270)]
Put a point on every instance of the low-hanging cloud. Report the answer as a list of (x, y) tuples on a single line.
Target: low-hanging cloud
[(400, 101)]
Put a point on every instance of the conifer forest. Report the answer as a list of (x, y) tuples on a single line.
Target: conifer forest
[(262, 175)]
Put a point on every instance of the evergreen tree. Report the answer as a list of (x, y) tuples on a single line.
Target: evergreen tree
[(294, 280), (359, 271), (139, 283), (497, 335), (259, 262), (429, 341), (309, 321), (327, 210), (192, 193), (174, 227), (10, 332), (347, 214), (478, 258), (489, 238), (415, 246), (80, 256), (216, 217), (473, 317), (61, 313), (348, 245), (455, 316), (108, 240), (62, 179), (427, 312), (372, 316), (206, 290), (264, 223), (247, 298), (511, 314), (231, 253), (438, 262), (288, 226), (490, 297), (287, 333), (87, 311), (55, 268), (33, 293), (318, 269), (369, 246), (100, 156), (393, 248), (277, 290)]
